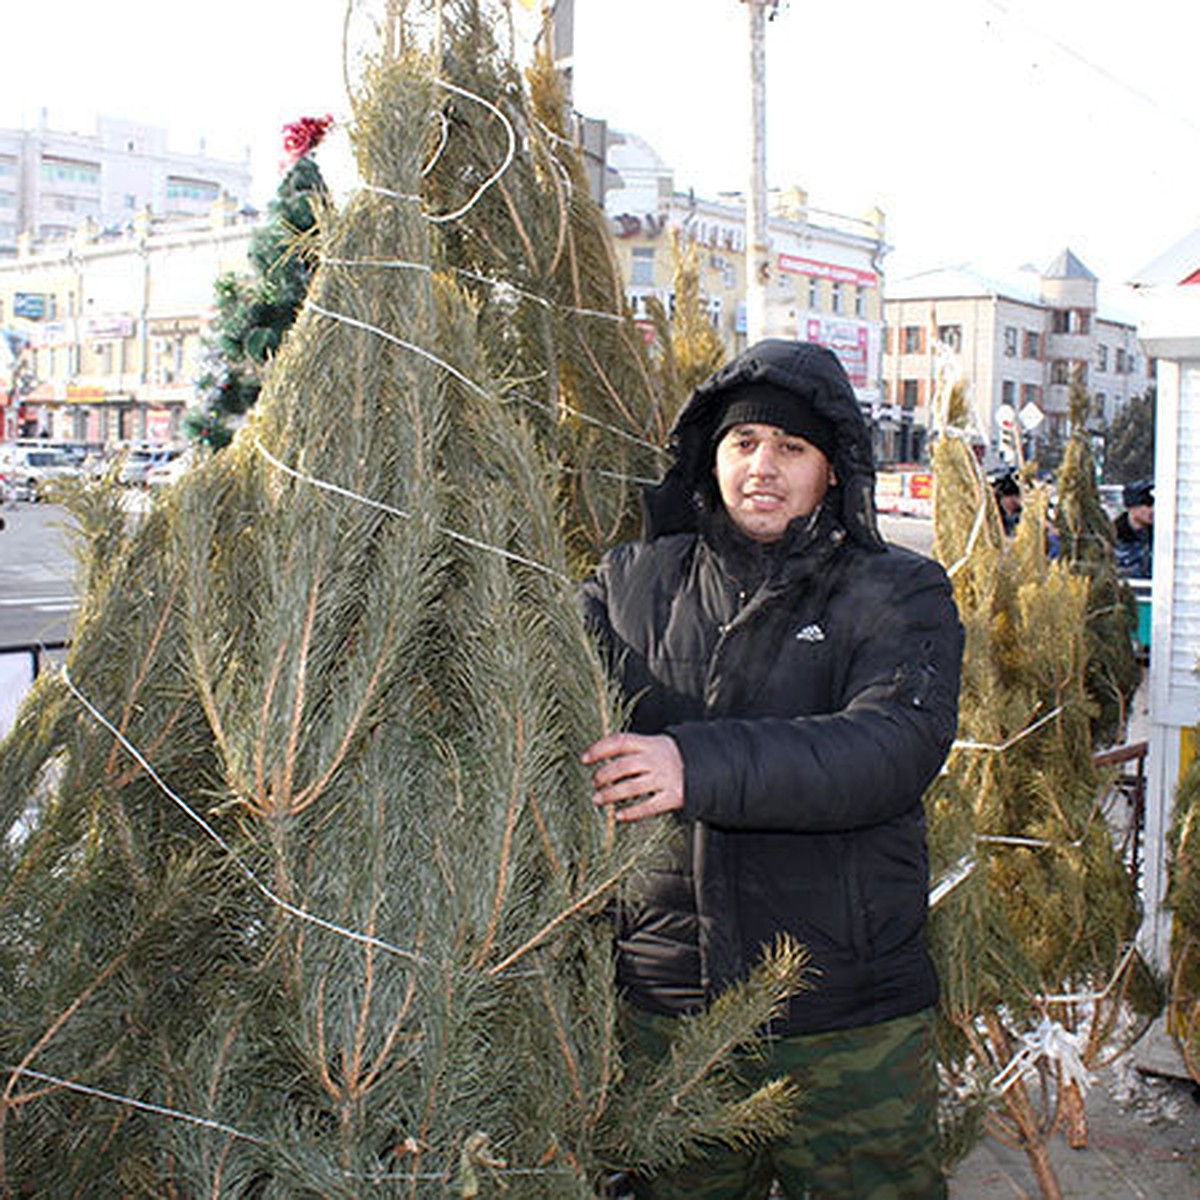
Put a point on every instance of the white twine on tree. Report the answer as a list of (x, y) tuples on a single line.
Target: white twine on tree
[(443, 141), (1001, 747), (1095, 997), (365, 939), (959, 873), (143, 1105), (509, 153), (1051, 1041), (176, 1114), (367, 327), (400, 264), (972, 538), (391, 509)]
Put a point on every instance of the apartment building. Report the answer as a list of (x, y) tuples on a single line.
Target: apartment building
[(108, 325), (1019, 343), (826, 282), (52, 182)]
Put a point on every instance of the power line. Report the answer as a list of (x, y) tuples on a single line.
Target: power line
[(1097, 68)]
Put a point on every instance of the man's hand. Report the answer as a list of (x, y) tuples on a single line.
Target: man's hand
[(633, 767)]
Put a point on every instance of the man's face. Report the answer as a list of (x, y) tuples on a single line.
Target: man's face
[(768, 477), (1141, 515)]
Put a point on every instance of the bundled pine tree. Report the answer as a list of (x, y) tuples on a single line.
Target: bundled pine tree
[(688, 346), (254, 312), (1035, 917), (518, 225), (1183, 899), (1085, 537), (300, 892)]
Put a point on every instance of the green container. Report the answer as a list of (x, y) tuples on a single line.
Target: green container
[(1141, 596)]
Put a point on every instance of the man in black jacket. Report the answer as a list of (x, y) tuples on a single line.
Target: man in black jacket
[(794, 685)]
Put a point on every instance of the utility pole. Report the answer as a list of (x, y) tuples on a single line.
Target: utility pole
[(758, 260)]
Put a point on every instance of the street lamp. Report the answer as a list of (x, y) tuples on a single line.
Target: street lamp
[(758, 261)]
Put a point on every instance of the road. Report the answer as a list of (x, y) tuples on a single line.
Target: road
[(37, 593), (37, 600), (914, 532)]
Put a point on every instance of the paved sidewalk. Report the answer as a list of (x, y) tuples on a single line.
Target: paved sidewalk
[(1144, 1140)]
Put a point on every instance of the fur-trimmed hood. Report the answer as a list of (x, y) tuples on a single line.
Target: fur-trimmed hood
[(804, 368)]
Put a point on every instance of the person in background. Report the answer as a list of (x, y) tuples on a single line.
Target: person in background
[(1006, 487), (1133, 531), (793, 682)]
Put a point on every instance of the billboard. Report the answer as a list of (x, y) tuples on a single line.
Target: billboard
[(30, 305)]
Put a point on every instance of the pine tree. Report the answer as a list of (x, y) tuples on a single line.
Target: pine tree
[(1183, 899), (300, 893), (1129, 455), (688, 347), (1035, 917), (253, 313), (1085, 536), (534, 251)]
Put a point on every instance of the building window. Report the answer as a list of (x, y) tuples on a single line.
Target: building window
[(1008, 392), (192, 190), (860, 301), (1010, 341), (1101, 358), (642, 271), (62, 170), (1030, 394), (1070, 320), (908, 393), (835, 296), (1120, 364), (814, 293), (1033, 346), (912, 339), (1060, 371), (951, 337)]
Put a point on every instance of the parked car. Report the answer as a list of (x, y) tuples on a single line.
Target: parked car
[(27, 469), (138, 461), (164, 473)]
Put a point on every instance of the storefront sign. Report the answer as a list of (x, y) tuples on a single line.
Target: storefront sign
[(107, 328), (175, 327), (849, 340), (78, 394), (791, 264)]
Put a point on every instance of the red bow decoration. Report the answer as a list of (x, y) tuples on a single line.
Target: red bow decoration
[(305, 135)]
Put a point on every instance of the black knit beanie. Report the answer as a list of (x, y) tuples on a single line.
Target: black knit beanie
[(766, 404)]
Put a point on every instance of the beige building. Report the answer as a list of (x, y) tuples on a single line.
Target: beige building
[(1019, 343), (52, 181), (110, 325), (826, 282)]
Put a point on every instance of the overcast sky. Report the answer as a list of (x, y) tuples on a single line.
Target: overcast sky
[(997, 131)]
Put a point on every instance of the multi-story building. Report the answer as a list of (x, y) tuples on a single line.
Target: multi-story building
[(110, 325), (52, 182), (1019, 342), (826, 283)]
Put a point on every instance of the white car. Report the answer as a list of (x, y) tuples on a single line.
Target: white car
[(139, 461), (164, 473), (26, 470)]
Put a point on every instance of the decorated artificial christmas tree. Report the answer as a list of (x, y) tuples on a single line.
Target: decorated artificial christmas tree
[(1034, 915), (300, 892), (253, 313)]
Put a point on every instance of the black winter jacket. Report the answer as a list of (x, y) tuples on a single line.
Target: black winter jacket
[(811, 687)]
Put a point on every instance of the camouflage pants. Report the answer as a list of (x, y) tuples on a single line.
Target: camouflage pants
[(867, 1125)]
